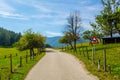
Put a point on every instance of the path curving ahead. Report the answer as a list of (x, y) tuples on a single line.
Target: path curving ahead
[(57, 65)]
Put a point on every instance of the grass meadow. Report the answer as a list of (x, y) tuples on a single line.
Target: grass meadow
[(18, 73), (112, 59)]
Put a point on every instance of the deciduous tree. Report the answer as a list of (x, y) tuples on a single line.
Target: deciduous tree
[(74, 26), (30, 40), (106, 20)]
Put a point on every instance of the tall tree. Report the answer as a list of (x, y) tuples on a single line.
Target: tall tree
[(116, 19), (96, 31), (105, 19), (74, 26)]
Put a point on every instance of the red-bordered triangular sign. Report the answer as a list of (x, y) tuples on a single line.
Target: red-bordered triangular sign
[(94, 40)]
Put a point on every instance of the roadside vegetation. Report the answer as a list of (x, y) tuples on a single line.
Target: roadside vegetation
[(103, 60), (112, 59), (21, 54), (18, 72)]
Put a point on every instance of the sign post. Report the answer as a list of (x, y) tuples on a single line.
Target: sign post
[(94, 41)]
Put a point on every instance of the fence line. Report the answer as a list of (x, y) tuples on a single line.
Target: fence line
[(93, 62), (11, 59)]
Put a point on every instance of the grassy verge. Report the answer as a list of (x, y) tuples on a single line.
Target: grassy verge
[(112, 55), (18, 72)]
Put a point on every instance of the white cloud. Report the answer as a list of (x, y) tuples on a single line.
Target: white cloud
[(52, 34), (35, 4), (84, 1), (58, 23), (12, 15), (42, 16), (41, 8), (94, 8), (8, 11)]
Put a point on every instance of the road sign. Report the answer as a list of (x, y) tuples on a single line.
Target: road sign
[(94, 40)]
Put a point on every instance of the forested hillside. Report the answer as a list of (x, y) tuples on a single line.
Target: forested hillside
[(7, 37)]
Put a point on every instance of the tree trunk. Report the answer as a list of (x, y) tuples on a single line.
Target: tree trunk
[(38, 50), (71, 45), (75, 45), (111, 29), (111, 34), (31, 53)]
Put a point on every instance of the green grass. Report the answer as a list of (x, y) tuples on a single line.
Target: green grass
[(113, 58), (19, 73)]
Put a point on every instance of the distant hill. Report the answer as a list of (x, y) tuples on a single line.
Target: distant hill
[(53, 41)]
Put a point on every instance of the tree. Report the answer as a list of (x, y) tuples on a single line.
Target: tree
[(30, 40), (67, 39), (105, 20), (74, 26), (7, 38), (116, 19), (96, 31), (87, 34)]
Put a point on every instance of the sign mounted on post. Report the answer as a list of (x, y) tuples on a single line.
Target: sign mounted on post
[(94, 40)]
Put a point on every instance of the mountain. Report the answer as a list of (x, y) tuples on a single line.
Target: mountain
[(53, 41)]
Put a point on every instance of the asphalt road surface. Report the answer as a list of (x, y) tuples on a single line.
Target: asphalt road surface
[(57, 65)]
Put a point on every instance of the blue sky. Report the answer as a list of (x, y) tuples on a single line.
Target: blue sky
[(47, 17)]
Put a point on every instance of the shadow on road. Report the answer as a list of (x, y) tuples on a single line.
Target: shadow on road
[(49, 51)]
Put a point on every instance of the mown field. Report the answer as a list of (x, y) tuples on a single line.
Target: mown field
[(112, 59), (18, 72)]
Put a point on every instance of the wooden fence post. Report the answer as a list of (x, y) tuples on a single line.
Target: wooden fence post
[(0, 77), (30, 56), (93, 56), (76, 50), (87, 53), (20, 61), (26, 59), (104, 55), (83, 51), (5, 56), (16, 54), (109, 69), (99, 65), (80, 50), (11, 63)]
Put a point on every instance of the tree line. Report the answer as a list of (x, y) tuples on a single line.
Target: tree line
[(29, 40), (107, 23), (7, 37)]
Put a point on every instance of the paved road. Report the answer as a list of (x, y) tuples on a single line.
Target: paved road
[(57, 65)]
